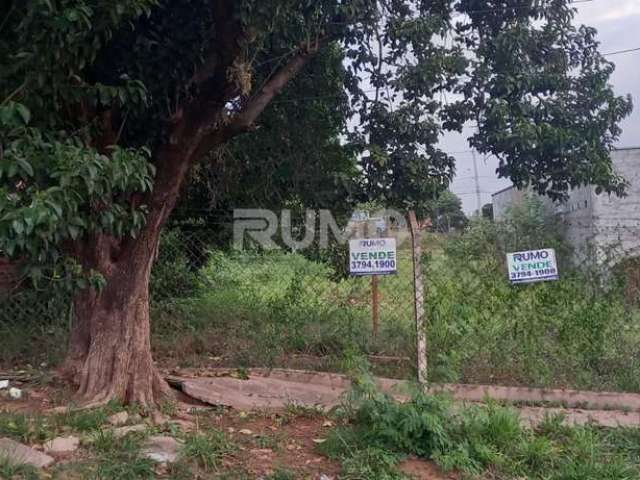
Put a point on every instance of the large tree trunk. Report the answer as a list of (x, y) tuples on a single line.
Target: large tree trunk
[(110, 352)]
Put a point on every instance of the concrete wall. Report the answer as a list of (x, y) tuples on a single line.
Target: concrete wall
[(617, 220)]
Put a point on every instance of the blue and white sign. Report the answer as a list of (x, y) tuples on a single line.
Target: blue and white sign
[(533, 266), (373, 256)]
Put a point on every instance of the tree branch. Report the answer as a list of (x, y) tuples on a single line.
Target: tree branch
[(244, 120)]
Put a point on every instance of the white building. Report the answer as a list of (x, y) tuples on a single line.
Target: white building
[(601, 221)]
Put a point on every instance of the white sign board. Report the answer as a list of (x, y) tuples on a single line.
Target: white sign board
[(533, 266), (373, 256)]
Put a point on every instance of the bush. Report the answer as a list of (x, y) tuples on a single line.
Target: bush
[(473, 440)]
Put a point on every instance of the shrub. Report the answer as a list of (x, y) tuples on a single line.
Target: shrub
[(474, 440)]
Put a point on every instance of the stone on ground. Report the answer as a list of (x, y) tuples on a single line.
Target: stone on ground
[(161, 449), (123, 431), (118, 419), (62, 445), (19, 454), (159, 418), (15, 393)]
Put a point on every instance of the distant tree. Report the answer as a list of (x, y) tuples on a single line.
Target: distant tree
[(106, 108), (487, 211), (447, 213)]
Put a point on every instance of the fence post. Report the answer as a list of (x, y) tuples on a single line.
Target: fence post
[(375, 307), (418, 295)]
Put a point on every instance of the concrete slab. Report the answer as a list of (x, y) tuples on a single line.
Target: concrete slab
[(19, 454), (278, 388), (161, 449)]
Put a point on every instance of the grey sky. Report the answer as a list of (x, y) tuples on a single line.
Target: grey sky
[(618, 25)]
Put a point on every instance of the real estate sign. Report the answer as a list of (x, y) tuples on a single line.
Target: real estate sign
[(533, 266), (372, 256)]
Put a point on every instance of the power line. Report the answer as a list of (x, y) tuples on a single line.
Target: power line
[(618, 52)]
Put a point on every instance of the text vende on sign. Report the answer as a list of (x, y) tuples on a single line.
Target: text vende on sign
[(533, 266), (373, 256)]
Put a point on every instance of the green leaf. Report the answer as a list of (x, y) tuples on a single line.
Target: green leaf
[(24, 113), (26, 166), (18, 226)]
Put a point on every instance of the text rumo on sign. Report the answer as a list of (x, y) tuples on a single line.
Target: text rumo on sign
[(533, 266)]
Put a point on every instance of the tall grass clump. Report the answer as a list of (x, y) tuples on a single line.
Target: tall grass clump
[(487, 441)]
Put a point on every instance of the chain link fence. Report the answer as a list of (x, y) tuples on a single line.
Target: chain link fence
[(216, 306), (281, 307)]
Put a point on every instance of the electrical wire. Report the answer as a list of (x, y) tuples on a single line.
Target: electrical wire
[(619, 52)]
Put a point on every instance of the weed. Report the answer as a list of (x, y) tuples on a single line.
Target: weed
[(86, 420), (206, 449), (10, 471), (474, 440), (25, 428), (272, 442), (118, 458), (180, 470), (131, 469), (294, 411), (371, 462), (281, 474), (169, 408)]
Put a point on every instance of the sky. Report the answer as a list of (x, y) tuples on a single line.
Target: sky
[(618, 25)]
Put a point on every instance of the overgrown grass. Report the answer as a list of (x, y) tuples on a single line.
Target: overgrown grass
[(38, 428), (206, 448), (478, 441), (11, 471), (577, 332), (582, 331), (258, 308)]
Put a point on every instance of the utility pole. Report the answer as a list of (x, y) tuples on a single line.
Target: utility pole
[(477, 181)]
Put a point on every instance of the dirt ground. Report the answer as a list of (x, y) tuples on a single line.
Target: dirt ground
[(266, 441)]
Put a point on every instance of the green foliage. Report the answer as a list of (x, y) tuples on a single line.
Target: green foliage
[(474, 440), (119, 458), (50, 184), (542, 72), (35, 326), (37, 428), (206, 449), (446, 212), (11, 471), (276, 302), (281, 474), (299, 147)]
